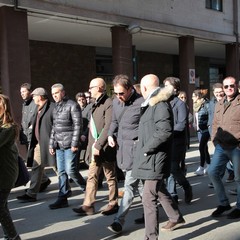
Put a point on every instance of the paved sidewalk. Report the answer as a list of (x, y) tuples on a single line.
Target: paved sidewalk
[(36, 221)]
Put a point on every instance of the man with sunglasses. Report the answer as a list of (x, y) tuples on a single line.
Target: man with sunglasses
[(123, 133), (226, 138)]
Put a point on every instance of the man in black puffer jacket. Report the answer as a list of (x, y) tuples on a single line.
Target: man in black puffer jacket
[(64, 142)]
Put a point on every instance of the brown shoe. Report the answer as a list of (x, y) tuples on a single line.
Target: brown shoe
[(84, 210), (120, 194), (170, 226), (110, 209)]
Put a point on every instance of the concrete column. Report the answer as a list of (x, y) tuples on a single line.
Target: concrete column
[(15, 57), (186, 62), (232, 60), (122, 51)]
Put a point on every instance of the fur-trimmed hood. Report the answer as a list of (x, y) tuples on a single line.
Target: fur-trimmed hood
[(163, 95)]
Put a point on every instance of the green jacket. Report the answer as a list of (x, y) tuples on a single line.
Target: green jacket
[(8, 157)]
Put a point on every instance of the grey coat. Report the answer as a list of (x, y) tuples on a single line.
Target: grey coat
[(126, 128), (153, 154)]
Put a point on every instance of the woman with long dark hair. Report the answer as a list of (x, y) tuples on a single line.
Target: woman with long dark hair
[(8, 165)]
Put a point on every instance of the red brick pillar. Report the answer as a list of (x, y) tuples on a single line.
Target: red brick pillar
[(232, 60), (186, 62), (15, 58), (122, 51)]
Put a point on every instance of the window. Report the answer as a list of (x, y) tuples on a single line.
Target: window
[(214, 5)]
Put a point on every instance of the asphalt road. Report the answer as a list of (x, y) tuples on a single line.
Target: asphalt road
[(37, 221)]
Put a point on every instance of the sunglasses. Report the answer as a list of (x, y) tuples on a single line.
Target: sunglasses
[(229, 86), (119, 94)]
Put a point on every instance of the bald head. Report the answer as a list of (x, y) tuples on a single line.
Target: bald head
[(148, 84), (99, 82), (97, 87)]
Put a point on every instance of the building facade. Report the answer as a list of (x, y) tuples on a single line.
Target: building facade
[(72, 41)]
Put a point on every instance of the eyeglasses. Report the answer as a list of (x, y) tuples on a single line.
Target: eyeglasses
[(92, 87), (119, 94), (229, 86), (218, 92)]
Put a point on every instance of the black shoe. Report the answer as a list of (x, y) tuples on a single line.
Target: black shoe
[(140, 220), (44, 185), (69, 194), (110, 209), (210, 185), (26, 198), (234, 214), (188, 194), (220, 209), (83, 166), (115, 227), (175, 199), (84, 210), (60, 203)]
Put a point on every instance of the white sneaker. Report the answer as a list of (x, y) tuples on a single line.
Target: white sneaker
[(200, 171), (206, 169)]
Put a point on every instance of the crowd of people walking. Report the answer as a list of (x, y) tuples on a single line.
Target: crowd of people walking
[(140, 134)]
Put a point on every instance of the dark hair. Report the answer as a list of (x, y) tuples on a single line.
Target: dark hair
[(122, 80), (7, 116), (175, 82), (28, 86), (198, 93), (80, 94)]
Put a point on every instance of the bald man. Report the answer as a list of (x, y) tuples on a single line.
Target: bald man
[(152, 160), (99, 152)]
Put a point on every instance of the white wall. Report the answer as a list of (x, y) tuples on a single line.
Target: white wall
[(189, 17)]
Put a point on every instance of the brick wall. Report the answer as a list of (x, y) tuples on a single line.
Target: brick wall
[(162, 65), (72, 65)]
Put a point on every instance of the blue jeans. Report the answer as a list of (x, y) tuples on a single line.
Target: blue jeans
[(131, 184), (217, 168), (67, 167)]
